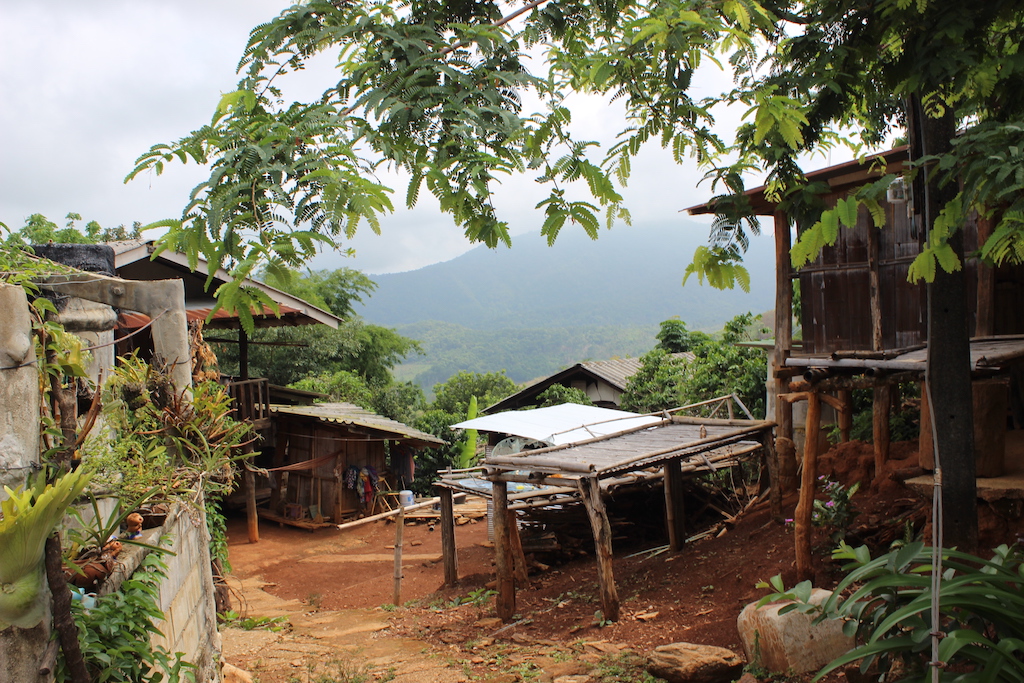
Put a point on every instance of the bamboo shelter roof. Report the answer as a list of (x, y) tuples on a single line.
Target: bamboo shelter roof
[(697, 441)]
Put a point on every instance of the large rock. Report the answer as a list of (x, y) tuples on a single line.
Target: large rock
[(789, 643), (690, 663)]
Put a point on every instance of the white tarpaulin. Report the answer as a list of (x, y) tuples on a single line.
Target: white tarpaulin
[(557, 425)]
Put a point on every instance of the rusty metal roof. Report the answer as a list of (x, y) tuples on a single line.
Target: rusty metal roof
[(352, 415)]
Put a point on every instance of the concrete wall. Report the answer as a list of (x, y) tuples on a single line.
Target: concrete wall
[(186, 595)]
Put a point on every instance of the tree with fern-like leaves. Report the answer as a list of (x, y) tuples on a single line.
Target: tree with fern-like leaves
[(436, 89)]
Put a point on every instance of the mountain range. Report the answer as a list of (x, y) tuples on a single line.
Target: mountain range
[(533, 309)]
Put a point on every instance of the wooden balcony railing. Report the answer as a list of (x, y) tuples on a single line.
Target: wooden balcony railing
[(251, 400)]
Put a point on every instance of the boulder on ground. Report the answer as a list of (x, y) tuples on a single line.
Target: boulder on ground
[(690, 663), (789, 643)]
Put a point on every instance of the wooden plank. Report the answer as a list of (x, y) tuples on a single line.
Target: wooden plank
[(590, 489), (505, 603), (675, 510), (808, 482), (448, 551), (518, 557)]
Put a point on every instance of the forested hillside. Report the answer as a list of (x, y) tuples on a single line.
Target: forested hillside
[(631, 276), (533, 309)]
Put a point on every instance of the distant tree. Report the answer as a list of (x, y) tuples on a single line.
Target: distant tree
[(675, 338), (339, 386), (38, 229), (454, 395), (657, 385), (335, 290), (557, 394)]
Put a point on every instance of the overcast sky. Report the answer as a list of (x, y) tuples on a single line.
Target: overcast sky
[(89, 86)]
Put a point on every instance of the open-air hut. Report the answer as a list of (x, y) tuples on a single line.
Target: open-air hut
[(336, 460)]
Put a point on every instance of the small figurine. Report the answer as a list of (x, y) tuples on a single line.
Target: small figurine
[(134, 526)]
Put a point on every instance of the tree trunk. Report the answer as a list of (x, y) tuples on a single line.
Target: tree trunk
[(949, 373)]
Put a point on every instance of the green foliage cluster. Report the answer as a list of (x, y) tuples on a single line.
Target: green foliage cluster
[(886, 603), (115, 635), (718, 367), (557, 394), (452, 405), (904, 420), (38, 229)]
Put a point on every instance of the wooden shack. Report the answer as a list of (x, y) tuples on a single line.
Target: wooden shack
[(337, 461)]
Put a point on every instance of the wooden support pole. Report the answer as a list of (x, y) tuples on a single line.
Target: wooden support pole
[(675, 510), (808, 482), (451, 559), (874, 288), (399, 532), (783, 320), (590, 490), (250, 504), (845, 415), (771, 459), (520, 571), (881, 406), (505, 604)]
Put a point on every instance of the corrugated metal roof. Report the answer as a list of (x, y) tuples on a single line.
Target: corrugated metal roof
[(349, 414), (562, 424)]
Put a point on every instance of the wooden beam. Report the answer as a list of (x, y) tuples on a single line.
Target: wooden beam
[(590, 489), (808, 482), (675, 509), (448, 550), (505, 603)]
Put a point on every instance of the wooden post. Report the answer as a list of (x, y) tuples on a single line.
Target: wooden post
[(399, 530), (991, 404), (808, 483), (515, 544), (250, 500), (925, 444), (845, 416), (984, 325), (590, 490), (875, 303), (243, 355), (783, 321), (505, 604), (448, 551), (771, 458), (675, 510), (880, 409)]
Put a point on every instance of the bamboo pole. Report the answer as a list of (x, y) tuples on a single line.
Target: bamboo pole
[(675, 510), (389, 513), (399, 531)]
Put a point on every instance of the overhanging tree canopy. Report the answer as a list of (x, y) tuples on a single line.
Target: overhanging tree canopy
[(437, 89)]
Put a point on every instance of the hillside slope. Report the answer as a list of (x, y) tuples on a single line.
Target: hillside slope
[(631, 276)]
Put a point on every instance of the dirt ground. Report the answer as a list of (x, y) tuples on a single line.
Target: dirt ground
[(694, 595)]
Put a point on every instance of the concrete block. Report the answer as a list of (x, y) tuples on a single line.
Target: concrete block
[(789, 643)]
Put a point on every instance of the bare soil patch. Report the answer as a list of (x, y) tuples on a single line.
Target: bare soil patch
[(692, 596)]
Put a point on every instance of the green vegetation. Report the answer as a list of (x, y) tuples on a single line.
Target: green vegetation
[(886, 604), (719, 367), (233, 619), (115, 634), (38, 229)]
